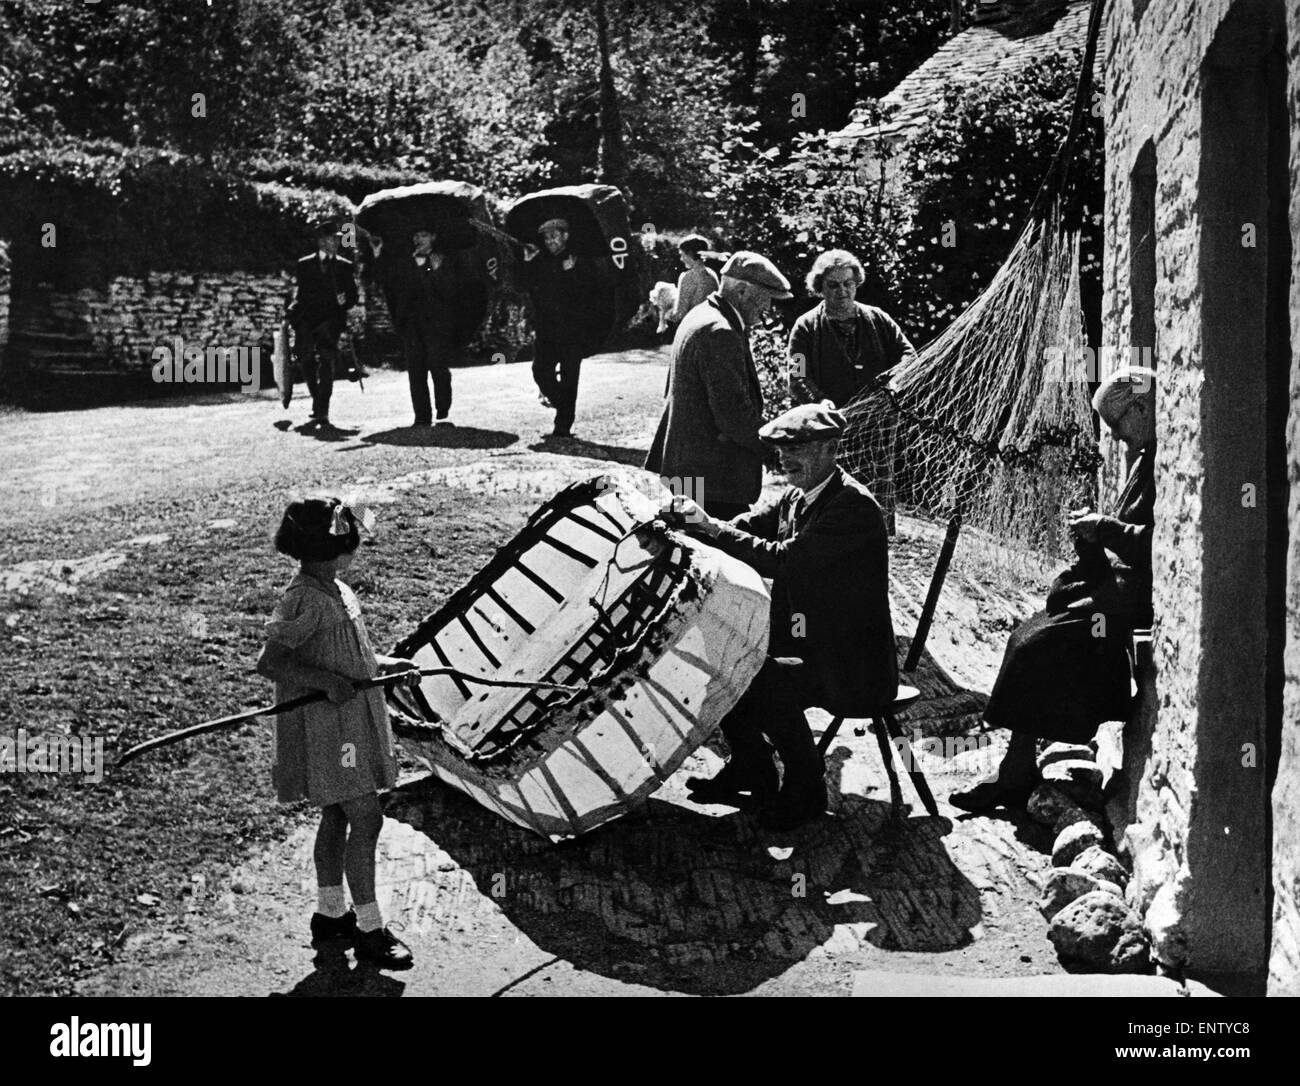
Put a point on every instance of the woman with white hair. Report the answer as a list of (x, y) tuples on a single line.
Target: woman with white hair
[(1066, 669), (841, 344)]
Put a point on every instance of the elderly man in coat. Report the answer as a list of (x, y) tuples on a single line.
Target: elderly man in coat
[(708, 433), (823, 544)]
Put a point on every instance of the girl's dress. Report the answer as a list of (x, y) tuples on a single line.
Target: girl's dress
[(324, 752)]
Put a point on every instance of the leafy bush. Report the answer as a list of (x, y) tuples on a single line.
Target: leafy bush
[(348, 179), (129, 71), (978, 165), (792, 208), (118, 210)]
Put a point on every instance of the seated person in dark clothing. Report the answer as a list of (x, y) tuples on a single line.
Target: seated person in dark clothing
[(823, 544), (422, 301), (1066, 669)]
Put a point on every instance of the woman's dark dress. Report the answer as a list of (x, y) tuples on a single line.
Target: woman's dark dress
[(1058, 679)]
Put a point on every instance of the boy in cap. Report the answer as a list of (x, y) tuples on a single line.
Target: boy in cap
[(823, 544), (562, 287), (708, 432), (325, 289)]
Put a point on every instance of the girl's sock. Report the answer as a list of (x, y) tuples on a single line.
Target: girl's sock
[(368, 917), (330, 901)]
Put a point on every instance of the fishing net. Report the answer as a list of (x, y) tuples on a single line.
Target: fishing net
[(991, 420)]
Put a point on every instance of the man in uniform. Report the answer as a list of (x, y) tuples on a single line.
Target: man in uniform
[(326, 289), (708, 433), (823, 544)]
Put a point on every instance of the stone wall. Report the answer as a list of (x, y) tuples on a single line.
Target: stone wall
[(122, 324), (1199, 839), (1284, 963), (118, 327)]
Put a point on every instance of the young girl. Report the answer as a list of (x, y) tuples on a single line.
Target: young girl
[(337, 753)]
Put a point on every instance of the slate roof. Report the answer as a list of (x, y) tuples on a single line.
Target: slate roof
[(1007, 35)]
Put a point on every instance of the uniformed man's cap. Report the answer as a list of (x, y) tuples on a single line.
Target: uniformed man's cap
[(554, 224), (325, 226), (805, 423), (756, 269)]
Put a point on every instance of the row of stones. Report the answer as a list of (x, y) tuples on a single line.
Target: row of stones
[(1091, 923), (134, 315)]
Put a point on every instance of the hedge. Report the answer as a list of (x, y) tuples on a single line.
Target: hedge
[(348, 179), (119, 210)]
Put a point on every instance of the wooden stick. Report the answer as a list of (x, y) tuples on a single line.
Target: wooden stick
[(932, 596), (320, 695)]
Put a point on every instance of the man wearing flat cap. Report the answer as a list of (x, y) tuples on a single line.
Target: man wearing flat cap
[(708, 433), (562, 287), (823, 544), (325, 289)]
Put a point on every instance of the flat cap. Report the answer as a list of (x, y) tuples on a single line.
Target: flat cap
[(554, 224), (752, 268), (325, 226), (805, 423)]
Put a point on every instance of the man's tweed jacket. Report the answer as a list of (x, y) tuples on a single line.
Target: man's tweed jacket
[(709, 428)]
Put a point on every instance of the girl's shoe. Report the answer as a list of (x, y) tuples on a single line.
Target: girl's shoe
[(383, 949), (325, 927)]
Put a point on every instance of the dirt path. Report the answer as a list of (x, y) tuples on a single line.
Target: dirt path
[(673, 899)]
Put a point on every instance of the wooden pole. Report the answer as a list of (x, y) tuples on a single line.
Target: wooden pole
[(319, 695), (932, 597)]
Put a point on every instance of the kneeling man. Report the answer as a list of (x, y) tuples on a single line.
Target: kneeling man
[(823, 544)]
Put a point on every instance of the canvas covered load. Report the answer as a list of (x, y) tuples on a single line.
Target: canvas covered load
[(477, 254), (659, 634), (598, 229)]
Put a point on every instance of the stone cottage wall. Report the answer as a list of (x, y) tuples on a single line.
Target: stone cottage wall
[(1284, 963), (1198, 830)]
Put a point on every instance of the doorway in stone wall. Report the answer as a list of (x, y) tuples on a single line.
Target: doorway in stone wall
[(1245, 269)]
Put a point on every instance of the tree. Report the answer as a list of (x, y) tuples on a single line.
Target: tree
[(196, 77), (611, 162), (831, 54)]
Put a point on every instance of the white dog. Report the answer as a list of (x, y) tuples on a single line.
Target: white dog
[(664, 298)]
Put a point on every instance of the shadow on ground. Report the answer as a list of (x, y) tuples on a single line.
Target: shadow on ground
[(442, 437), (676, 899), (576, 446), (333, 974), (316, 430)]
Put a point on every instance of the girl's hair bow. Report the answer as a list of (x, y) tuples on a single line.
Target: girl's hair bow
[(361, 515)]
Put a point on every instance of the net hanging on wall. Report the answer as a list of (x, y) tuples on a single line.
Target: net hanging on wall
[(992, 419)]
